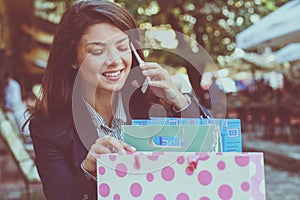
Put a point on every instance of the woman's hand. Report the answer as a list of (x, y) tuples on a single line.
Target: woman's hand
[(104, 145), (162, 86)]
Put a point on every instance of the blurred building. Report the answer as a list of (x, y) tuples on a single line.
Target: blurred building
[(26, 33)]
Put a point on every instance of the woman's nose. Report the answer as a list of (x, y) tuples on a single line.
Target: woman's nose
[(113, 57)]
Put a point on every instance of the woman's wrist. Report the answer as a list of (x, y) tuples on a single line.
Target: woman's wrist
[(88, 175)]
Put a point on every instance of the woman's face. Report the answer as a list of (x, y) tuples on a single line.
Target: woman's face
[(104, 57)]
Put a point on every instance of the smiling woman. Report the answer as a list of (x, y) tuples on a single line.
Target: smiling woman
[(89, 91)]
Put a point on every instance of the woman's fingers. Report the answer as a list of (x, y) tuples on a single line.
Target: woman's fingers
[(100, 149), (111, 143), (150, 65), (155, 71), (158, 84), (162, 86), (104, 145), (128, 147)]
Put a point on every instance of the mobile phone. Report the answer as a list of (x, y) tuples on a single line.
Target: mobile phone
[(141, 63)]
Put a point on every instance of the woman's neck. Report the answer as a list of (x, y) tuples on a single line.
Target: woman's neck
[(102, 102)]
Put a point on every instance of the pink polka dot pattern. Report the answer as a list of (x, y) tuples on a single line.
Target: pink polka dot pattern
[(112, 157), (180, 160), (258, 178), (101, 170), (149, 177), (136, 190), (204, 198), (221, 165), (225, 192), (159, 197), (153, 157), (121, 170), (104, 190), (168, 173), (200, 176), (242, 161), (189, 170), (204, 177), (117, 197), (245, 186), (182, 196), (203, 156)]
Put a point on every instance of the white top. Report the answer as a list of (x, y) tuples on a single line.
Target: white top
[(13, 96), (118, 120)]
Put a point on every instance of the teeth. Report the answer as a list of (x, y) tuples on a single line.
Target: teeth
[(112, 74)]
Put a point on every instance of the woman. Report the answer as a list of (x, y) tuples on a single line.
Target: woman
[(83, 103)]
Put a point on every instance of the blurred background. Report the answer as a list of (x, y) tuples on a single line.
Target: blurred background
[(253, 56)]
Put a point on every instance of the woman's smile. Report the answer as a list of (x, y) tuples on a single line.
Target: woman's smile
[(113, 75)]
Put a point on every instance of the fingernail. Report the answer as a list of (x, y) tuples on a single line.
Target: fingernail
[(132, 148), (145, 72), (142, 64), (122, 152)]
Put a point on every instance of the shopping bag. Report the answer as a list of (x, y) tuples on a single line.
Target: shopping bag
[(181, 176), (179, 138), (230, 129)]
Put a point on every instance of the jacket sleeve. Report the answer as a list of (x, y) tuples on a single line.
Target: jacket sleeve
[(61, 177), (140, 105)]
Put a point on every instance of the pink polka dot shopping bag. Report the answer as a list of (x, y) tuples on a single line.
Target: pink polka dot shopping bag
[(181, 176)]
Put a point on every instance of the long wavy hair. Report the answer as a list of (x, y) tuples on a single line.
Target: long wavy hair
[(59, 77)]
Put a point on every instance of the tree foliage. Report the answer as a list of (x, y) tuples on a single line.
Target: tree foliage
[(214, 24)]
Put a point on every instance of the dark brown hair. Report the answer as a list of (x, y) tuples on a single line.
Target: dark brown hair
[(59, 76)]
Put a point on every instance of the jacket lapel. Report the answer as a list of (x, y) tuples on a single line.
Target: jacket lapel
[(83, 122)]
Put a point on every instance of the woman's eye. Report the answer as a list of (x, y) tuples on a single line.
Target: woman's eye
[(123, 48), (97, 51)]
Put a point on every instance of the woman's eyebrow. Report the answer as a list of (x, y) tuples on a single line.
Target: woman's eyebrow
[(95, 43), (104, 44), (121, 40)]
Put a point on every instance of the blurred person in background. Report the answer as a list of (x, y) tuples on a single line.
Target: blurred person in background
[(12, 93), (13, 102)]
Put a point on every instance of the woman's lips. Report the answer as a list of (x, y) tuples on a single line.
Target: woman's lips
[(113, 75)]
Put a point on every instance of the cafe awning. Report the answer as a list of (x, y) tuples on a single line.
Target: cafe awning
[(277, 29), (288, 53)]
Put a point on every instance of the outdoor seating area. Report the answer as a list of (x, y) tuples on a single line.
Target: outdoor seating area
[(273, 123)]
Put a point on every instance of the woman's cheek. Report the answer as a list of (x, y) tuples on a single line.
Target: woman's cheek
[(128, 61)]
